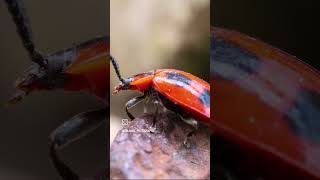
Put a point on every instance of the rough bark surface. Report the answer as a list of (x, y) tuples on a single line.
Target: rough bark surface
[(137, 153)]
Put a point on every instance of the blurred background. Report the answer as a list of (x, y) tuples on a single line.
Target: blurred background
[(147, 35), (290, 25), (25, 127)]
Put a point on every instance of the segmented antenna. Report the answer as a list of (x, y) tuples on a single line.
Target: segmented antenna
[(116, 68), (20, 18)]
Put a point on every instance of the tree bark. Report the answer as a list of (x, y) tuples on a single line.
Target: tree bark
[(138, 153)]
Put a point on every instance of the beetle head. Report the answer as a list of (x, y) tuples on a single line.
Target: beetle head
[(28, 82), (140, 82)]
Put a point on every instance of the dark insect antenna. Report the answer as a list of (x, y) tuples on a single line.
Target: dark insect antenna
[(117, 69), (20, 18)]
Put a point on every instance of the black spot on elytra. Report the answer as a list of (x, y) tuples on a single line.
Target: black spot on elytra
[(205, 98), (304, 116), (231, 62), (178, 79)]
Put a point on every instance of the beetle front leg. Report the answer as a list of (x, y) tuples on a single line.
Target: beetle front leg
[(77, 127), (132, 102), (73, 129)]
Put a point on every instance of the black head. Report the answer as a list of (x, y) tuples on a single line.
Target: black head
[(117, 69)]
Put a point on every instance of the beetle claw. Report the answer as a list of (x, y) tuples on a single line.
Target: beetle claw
[(186, 143), (152, 129)]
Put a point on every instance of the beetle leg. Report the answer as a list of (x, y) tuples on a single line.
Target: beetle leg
[(77, 127), (154, 119), (156, 113), (65, 172), (145, 104), (132, 102), (73, 129), (194, 124), (145, 109), (157, 103), (149, 98)]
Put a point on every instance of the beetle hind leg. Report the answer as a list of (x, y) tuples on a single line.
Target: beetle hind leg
[(72, 130)]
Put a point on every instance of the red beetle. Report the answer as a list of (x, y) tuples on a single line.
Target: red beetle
[(178, 91), (267, 104)]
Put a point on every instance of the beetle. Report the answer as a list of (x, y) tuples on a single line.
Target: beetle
[(83, 67), (267, 108), (178, 91)]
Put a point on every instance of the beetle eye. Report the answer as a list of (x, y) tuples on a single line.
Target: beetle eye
[(127, 82), (126, 85)]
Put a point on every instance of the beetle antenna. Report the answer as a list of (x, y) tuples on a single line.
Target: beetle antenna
[(21, 19), (117, 69)]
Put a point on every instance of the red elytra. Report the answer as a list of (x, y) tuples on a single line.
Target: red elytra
[(267, 102), (179, 91), (90, 70)]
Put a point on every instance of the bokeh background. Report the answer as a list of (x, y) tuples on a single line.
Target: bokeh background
[(290, 25), (147, 35), (25, 127)]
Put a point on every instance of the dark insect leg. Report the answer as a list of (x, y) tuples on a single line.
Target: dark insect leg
[(20, 18), (152, 128), (194, 124), (132, 102), (156, 102), (156, 113), (75, 128), (64, 171)]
